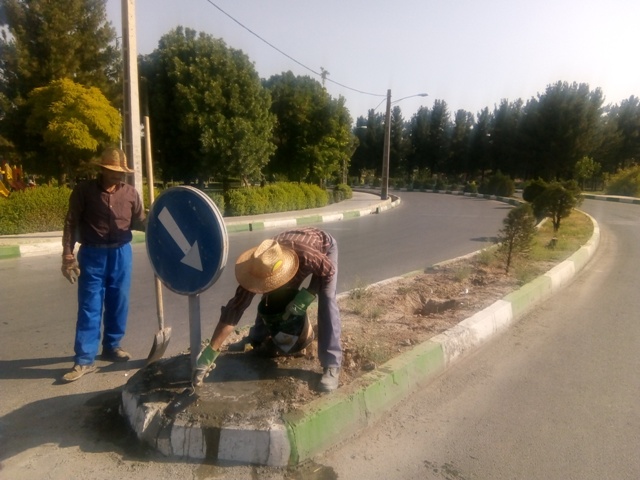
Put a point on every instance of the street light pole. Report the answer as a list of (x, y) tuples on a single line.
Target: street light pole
[(384, 193)]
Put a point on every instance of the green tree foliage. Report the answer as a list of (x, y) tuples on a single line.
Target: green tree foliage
[(532, 189), (68, 124), (586, 169), (368, 155), (517, 234), (625, 182), (556, 202), (481, 159), (398, 145), (52, 40), (561, 126), (504, 137), (623, 135), (209, 112), (43, 41), (461, 142), (498, 184), (312, 135)]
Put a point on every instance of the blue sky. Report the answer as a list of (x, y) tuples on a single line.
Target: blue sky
[(470, 54)]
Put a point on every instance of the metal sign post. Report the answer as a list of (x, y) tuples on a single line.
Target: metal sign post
[(187, 245)]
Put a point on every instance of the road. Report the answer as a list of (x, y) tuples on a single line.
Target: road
[(73, 431), (556, 397)]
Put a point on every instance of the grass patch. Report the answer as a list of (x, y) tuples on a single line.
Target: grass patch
[(547, 248), (575, 231)]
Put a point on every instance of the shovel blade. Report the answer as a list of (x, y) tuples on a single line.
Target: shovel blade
[(160, 344)]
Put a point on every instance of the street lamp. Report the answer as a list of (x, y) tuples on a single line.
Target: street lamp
[(384, 193)]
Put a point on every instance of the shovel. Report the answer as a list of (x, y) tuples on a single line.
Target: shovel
[(162, 337)]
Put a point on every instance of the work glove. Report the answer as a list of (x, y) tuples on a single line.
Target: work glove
[(70, 268), (204, 364), (298, 306)]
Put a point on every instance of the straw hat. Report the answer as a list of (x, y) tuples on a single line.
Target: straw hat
[(115, 159), (266, 267)]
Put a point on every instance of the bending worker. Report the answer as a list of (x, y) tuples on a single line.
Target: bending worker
[(284, 261)]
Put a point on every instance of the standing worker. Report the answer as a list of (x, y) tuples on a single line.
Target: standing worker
[(284, 261), (102, 212)]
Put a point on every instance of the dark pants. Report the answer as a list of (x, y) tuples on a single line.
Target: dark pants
[(329, 323)]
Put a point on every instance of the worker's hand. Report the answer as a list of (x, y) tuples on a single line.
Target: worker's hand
[(204, 365), (70, 268), (298, 306)]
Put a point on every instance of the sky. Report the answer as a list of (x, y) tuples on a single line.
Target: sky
[(471, 54)]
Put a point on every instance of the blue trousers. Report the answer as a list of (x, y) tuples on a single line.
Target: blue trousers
[(329, 322), (103, 296)]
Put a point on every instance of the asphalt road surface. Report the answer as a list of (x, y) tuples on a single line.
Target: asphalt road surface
[(554, 397), (48, 430)]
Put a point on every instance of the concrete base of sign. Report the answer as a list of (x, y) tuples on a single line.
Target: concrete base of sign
[(236, 417)]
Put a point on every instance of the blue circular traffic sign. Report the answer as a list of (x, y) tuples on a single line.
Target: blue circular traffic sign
[(186, 240)]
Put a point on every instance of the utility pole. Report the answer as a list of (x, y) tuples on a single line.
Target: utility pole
[(132, 133)]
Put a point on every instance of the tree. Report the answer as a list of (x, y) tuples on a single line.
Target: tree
[(561, 126), (517, 233), (586, 169), (398, 145), (504, 141), (556, 202), (208, 109), (420, 128), (626, 119), (68, 124), (480, 153), (312, 134), (460, 142), (43, 41)]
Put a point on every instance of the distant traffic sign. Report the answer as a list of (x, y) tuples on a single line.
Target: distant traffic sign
[(186, 240)]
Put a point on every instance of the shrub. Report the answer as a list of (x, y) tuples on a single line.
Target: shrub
[(40, 209), (556, 202), (470, 187), (218, 199), (500, 185), (625, 182), (342, 192), (517, 234), (533, 189), (277, 197)]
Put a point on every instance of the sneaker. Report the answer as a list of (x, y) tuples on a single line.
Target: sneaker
[(115, 355), (243, 345), (78, 371), (329, 380)]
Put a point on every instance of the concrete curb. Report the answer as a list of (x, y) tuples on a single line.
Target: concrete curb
[(34, 248), (313, 428)]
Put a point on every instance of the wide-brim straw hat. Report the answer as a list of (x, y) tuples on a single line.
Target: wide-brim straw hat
[(266, 267), (114, 159)]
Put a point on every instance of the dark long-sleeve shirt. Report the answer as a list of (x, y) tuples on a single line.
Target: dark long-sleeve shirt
[(311, 246), (97, 217)]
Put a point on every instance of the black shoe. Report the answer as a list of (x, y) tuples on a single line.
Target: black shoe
[(115, 355), (330, 379)]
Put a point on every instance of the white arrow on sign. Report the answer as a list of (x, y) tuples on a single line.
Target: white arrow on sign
[(191, 252)]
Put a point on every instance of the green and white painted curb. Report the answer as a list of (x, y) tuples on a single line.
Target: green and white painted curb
[(324, 422)]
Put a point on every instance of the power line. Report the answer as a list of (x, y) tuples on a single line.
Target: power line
[(323, 75)]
